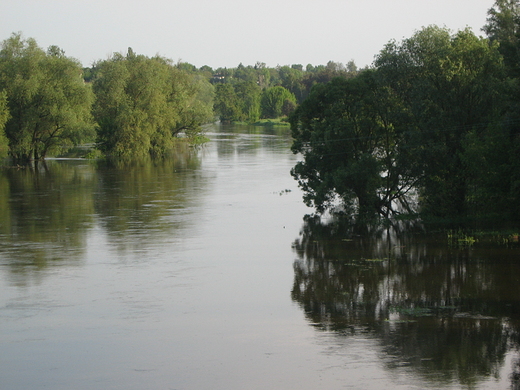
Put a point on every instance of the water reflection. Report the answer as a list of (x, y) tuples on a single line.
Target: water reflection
[(45, 212), (142, 202), (449, 314), (249, 139), (48, 211), (175, 273)]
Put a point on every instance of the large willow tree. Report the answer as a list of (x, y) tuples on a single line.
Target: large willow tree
[(143, 103), (49, 103)]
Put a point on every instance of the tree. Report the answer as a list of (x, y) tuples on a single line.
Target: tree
[(503, 27), (48, 101), (238, 101), (452, 85), (248, 94), (227, 105), (430, 117), (4, 116), (291, 79), (349, 134), (273, 100), (143, 103), (322, 74)]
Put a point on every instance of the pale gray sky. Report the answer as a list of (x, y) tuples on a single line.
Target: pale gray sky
[(226, 32)]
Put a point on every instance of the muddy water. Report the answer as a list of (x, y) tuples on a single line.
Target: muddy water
[(198, 272)]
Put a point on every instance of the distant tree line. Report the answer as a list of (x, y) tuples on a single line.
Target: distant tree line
[(250, 93), (436, 117)]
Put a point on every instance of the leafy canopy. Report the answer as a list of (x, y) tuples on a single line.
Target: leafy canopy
[(143, 103), (49, 103)]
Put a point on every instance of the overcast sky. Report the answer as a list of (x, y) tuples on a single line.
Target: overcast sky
[(228, 32)]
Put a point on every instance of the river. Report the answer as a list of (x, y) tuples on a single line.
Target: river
[(198, 272)]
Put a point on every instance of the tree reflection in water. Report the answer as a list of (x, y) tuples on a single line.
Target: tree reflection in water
[(450, 313)]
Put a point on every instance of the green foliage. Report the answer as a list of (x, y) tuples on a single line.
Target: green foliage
[(4, 116), (291, 79), (227, 106), (437, 115), (48, 101), (349, 134), (248, 94), (452, 86), (275, 100), (143, 103), (238, 101), (503, 27)]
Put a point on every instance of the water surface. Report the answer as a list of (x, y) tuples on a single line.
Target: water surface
[(198, 272)]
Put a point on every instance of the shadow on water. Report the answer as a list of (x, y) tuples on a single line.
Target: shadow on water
[(449, 313)]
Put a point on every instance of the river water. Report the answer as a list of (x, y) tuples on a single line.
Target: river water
[(199, 272)]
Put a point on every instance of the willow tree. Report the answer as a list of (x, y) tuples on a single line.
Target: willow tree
[(49, 103), (143, 103), (277, 101)]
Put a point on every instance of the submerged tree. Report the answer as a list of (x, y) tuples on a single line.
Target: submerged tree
[(48, 101), (350, 134), (429, 116), (143, 103), (452, 85)]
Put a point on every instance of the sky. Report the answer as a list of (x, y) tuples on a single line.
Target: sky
[(226, 33)]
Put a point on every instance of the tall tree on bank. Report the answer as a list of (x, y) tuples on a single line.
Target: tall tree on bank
[(143, 103), (238, 101), (227, 105), (277, 101), (48, 101)]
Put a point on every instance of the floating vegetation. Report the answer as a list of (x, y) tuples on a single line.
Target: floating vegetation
[(465, 239), (460, 239)]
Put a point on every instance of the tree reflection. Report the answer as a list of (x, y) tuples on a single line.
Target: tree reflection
[(141, 201), (47, 210), (449, 313), (44, 213)]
